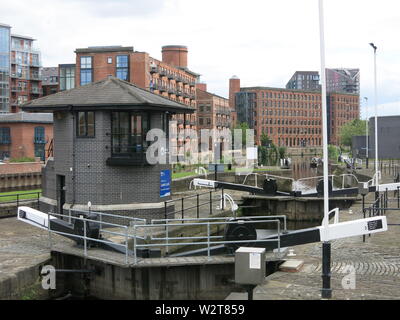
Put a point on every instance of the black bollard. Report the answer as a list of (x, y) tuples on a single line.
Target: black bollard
[(326, 292)]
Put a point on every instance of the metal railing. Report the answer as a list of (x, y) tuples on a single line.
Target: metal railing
[(150, 237), (207, 240), (17, 200), (199, 203)]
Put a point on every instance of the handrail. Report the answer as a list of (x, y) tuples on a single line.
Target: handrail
[(234, 206), (207, 243)]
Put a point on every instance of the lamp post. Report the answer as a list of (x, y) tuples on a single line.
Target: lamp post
[(366, 132), (326, 292), (376, 123)]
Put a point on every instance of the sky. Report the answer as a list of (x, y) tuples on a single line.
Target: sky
[(263, 42)]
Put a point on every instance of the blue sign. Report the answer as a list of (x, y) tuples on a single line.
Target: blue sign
[(165, 183)]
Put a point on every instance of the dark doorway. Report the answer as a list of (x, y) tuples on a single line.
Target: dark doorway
[(60, 193)]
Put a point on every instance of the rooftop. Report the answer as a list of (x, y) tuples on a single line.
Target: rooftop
[(111, 94), (21, 37), (103, 49), (26, 117)]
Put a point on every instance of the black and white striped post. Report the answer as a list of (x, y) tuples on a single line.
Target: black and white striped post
[(326, 292)]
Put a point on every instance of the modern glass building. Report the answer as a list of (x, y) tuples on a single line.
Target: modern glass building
[(66, 76), (5, 39)]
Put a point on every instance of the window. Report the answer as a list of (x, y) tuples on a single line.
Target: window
[(85, 126), (39, 136), (122, 68), (86, 70), (129, 132), (67, 78), (5, 137)]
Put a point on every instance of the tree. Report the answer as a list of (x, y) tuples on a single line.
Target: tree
[(265, 140), (242, 126), (353, 128)]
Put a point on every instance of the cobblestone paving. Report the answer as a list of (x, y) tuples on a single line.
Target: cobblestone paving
[(376, 263)]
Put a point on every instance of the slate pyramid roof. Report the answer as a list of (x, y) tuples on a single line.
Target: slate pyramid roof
[(111, 93)]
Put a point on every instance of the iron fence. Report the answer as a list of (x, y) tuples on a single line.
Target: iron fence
[(10, 202)]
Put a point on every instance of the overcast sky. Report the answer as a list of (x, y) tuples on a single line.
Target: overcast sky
[(263, 42)]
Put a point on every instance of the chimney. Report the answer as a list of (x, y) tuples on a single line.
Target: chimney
[(176, 56), (201, 86), (234, 86)]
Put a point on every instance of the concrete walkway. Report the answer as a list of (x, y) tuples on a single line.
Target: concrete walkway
[(23, 249), (376, 263)]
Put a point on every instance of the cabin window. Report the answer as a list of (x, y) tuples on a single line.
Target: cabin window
[(86, 124), (129, 130)]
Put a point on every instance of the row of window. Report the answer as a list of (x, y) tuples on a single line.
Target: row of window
[(289, 104), (291, 130), (39, 135), (291, 122), (291, 96), (289, 113), (121, 69)]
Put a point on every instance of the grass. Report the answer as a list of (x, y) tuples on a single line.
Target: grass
[(177, 175), (12, 196)]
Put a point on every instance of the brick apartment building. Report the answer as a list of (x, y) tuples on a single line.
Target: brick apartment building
[(50, 80), (25, 82), (342, 108), (169, 77), (213, 111), (25, 135), (293, 118)]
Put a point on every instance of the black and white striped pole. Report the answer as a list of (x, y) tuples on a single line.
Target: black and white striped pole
[(326, 292)]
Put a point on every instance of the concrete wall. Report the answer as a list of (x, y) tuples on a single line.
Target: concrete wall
[(193, 282)]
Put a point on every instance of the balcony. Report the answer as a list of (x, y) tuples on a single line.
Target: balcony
[(36, 90), (192, 83), (35, 76), (162, 88), (162, 72), (178, 79), (179, 92), (154, 69), (170, 76), (185, 95), (171, 90), (35, 64)]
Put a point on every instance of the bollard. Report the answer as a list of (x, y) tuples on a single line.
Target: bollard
[(326, 292)]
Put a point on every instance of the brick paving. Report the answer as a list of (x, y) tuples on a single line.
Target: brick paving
[(376, 263)]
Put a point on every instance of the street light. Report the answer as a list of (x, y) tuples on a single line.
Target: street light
[(376, 123), (366, 132)]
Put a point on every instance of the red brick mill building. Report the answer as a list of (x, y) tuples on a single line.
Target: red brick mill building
[(293, 118)]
